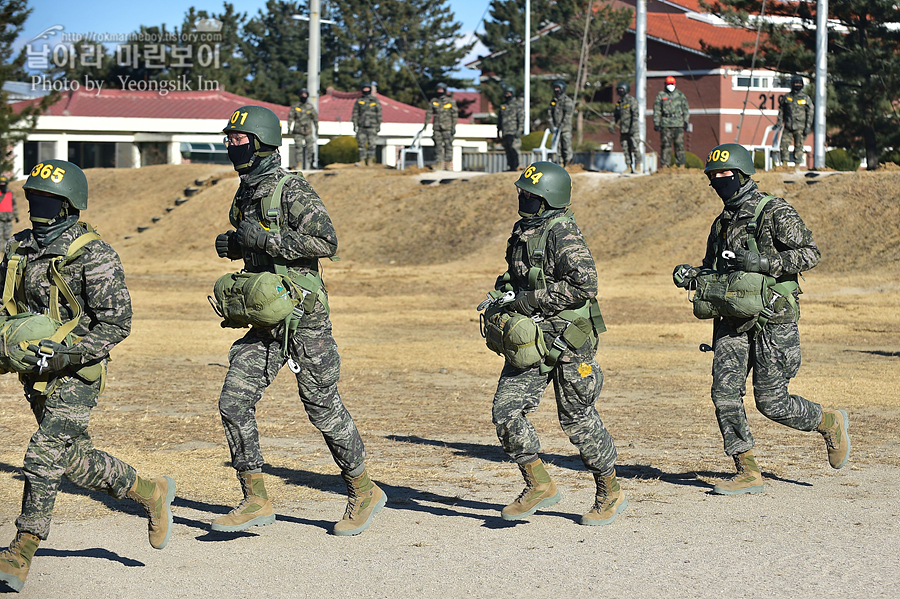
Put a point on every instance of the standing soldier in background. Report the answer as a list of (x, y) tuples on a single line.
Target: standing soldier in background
[(64, 372), (758, 233), (443, 114), (671, 117), (795, 114), (510, 126), (627, 116), (303, 124), (561, 111), (289, 239), (8, 212), (366, 121)]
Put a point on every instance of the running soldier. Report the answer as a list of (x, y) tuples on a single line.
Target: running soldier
[(304, 235), (303, 124), (510, 126), (443, 114), (366, 120), (759, 233), (64, 370), (560, 113), (552, 276), (626, 114), (671, 117)]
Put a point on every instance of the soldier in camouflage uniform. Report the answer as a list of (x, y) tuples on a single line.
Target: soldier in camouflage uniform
[(305, 236), (785, 248), (671, 117), (66, 380), (443, 114), (510, 126), (8, 212), (626, 114), (303, 124), (560, 113), (366, 120), (544, 190), (795, 115)]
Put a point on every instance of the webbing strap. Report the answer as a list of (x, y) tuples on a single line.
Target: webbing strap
[(753, 225), (584, 323), (538, 252), (11, 287)]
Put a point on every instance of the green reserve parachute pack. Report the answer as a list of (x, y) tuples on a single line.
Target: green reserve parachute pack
[(22, 328), (266, 299), (519, 338), (744, 295)]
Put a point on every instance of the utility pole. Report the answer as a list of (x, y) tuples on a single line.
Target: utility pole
[(312, 66), (821, 83), (527, 67), (640, 76)]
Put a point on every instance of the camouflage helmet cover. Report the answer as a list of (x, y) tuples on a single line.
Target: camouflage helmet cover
[(62, 178), (258, 121), (730, 156), (549, 181)]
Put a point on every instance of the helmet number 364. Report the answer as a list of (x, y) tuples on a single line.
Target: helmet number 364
[(718, 156), (531, 173), (46, 171)]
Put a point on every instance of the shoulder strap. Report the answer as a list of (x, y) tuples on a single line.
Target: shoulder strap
[(753, 225), (58, 284), (15, 266), (538, 251)]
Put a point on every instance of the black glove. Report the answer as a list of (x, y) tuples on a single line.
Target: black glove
[(252, 235), (751, 261), (684, 275), (227, 245), (805, 132), (776, 128), (612, 128), (686, 126), (656, 127), (48, 356), (525, 303)]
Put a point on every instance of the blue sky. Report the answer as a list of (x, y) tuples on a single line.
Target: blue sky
[(117, 17)]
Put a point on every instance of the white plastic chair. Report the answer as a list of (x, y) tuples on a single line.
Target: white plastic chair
[(543, 149), (415, 148)]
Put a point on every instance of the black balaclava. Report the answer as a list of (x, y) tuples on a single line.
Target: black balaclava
[(304, 98), (247, 157), (366, 90), (620, 91), (557, 91), (530, 205), (507, 97), (50, 216), (796, 87), (731, 189)]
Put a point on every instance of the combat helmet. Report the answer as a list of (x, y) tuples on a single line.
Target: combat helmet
[(623, 85), (4, 179), (508, 89), (549, 181), (441, 86), (731, 156), (797, 81), (62, 178), (258, 121), (561, 85)]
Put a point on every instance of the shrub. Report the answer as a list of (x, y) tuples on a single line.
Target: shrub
[(691, 160), (841, 160), (533, 140), (343, 149)]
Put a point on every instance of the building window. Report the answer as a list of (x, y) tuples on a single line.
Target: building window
[(768, 81)]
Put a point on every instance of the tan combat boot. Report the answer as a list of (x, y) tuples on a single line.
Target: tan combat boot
[(441, 165), (156, 496), (609, 502), (16, 560), (747, 480), (364, 500), (540, 491), (254, 510), (834, 427)]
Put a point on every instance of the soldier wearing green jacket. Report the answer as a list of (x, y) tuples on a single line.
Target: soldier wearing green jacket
[(510, 126), (627, 115), (795, 115), (63, 374), (303, 124), (671, 117), (366, 119), (560, 113), (443, 114)]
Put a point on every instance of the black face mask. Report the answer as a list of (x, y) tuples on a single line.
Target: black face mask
[(367, 91), (529, 204), (507, 98), (43, 209), (726, 187), (303, 99), (797, 87), (621, 92), (242, 156)]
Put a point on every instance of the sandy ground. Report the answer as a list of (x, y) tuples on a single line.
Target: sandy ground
[(416, 260)]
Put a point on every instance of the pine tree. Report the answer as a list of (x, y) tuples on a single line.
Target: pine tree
[(276, 49)]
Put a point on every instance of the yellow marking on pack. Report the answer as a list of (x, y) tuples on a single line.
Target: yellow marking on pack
[(789, 99), (584, 369)]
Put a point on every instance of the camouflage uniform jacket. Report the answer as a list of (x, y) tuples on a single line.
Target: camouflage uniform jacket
[(96, 279), (306, 232), (569, 269), (561, 111), (303, 119), (366, 113), (511, 118), (670, 109), (626, 114), (443, 113), (782, 237), (796, 112)]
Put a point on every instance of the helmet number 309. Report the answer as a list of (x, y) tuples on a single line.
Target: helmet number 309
[(718, 156), (531, 174), (238, 113), (46, 171)]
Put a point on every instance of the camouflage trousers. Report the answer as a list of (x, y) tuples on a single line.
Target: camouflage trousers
[(255, 360), (576, 385), (669, 136), (564, 149), (6, 231), (305, 148), (62, 447), (774, 357), (443, 145), (797, 138), (511, 145), (366, 139), (631, 147)]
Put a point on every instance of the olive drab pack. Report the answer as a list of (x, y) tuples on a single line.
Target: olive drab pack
[(22, 328), (739, 294), (507, 333)]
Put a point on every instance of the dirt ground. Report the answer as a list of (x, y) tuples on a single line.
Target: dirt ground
[(416, 259)]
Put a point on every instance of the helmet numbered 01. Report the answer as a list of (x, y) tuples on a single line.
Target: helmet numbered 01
[(258, 121)]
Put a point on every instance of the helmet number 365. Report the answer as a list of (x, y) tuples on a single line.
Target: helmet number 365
[(46, 171), (718, 156), (531, 173)]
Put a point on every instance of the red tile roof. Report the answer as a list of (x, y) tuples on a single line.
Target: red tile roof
[(688, 33), (338, 106)]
